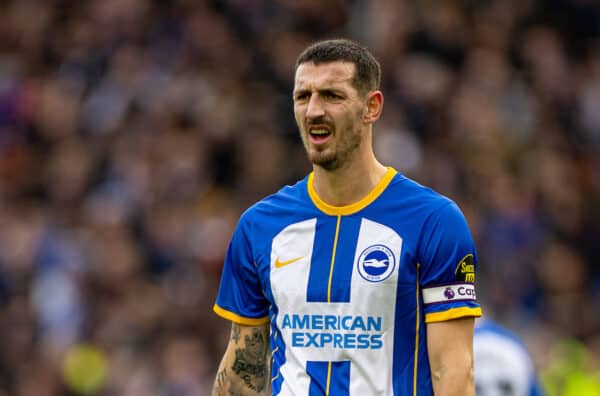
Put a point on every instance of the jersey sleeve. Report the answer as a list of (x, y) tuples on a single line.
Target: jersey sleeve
[(240, 297), (448, 262)]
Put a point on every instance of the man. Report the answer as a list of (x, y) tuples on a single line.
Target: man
[(358, 279), (503, 366)]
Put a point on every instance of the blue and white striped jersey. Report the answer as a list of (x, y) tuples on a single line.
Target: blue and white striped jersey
[(348, 290)]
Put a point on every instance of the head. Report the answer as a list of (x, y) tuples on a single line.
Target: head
[(336, 100)]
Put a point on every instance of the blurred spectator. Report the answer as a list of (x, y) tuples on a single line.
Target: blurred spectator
[(503, 366), (572, 370), (133, 133)]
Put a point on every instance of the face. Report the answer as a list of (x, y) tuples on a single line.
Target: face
[(329, 112)]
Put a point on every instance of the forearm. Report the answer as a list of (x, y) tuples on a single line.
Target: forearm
[(244, 369), (455, 380), (450, 347), (231, 381)]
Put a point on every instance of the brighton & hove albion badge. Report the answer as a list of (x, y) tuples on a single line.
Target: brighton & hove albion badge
[(376, 263)]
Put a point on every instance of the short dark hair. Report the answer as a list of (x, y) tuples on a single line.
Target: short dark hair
[(368, 71)]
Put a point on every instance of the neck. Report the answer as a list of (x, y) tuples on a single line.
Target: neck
[(351, 182)]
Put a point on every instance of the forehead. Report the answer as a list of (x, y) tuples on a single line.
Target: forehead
[(310, 75)]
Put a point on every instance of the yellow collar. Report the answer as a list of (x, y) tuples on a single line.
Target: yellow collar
[(355, 207)]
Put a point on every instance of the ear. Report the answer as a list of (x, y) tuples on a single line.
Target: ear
[(373, 107)]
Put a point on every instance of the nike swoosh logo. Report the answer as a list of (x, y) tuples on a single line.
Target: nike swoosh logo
[(279, 264)]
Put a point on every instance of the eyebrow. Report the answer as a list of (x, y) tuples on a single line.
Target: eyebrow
[(322, 89)]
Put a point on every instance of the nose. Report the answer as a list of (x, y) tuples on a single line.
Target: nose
[(314, 108)]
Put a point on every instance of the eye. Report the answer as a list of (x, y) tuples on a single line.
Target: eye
[(301, 96), (330, 95)]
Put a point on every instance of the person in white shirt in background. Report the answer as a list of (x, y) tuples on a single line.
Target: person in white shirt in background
[(503, 366)]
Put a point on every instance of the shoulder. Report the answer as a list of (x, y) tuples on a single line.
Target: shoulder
[(419, 201), (288, 201), (408, 190), (431, 223)]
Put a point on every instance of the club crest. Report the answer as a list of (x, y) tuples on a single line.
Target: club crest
[(376, 263)]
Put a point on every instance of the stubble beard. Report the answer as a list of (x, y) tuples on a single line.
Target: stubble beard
[(332, 158)]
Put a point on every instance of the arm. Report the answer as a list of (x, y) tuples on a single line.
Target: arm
[(450, 345), (245, 367)]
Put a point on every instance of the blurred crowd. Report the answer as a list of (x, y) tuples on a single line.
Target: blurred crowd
[(133, 133)]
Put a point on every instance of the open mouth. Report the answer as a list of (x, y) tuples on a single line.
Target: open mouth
[(319, 135)]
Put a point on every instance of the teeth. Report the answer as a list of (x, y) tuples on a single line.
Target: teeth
[(319, 131)]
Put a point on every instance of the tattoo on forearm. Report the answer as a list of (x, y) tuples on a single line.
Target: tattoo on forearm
[(251, 362), (220, 380), (236, 390), (235, 333), (226, 388)]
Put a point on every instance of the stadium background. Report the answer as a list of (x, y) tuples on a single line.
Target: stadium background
[(134, 132)]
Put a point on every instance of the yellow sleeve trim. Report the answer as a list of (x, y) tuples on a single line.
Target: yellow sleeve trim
[(452, 314), (240, 319)]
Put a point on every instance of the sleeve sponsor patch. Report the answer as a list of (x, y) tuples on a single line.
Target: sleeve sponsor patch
[(465, 270), (449, 293)]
